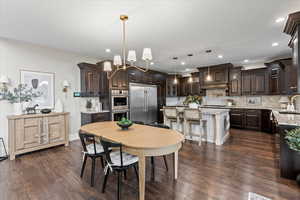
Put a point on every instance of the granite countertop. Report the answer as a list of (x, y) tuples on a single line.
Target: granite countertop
[(288, 119), (95, 112)]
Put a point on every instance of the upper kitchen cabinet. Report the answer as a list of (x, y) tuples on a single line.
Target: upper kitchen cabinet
[(255, 82), (195, 89), (235, 81), (172, 89), (93, 80), (282, 77), (292, 28), (185, 86), (119, 80)]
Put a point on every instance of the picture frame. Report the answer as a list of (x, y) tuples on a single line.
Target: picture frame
[(43, 82)]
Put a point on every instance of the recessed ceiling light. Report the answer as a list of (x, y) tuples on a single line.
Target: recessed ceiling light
[(280, 19), (152, 63), (275, 44), (187, 69), (107, 50), (220, 56), (182, 63), (246, 61)]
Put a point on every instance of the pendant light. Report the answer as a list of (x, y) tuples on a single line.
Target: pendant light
[(190, 80), (175, 77), (208, 77)]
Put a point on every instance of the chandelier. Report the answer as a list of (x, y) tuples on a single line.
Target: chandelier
[(120, 62)]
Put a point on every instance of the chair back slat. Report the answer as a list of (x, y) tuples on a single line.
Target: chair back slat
[(192, 114), (107, 146), (87, 139), (170, 112)]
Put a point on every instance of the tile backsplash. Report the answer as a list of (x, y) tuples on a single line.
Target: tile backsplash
[(263, 101)]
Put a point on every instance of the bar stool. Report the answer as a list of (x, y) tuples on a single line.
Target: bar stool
[(170, 115), (193, 116)]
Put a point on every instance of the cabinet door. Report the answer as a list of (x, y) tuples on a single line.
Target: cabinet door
[(259, 84), (246, 82), (56, 128), (104, 87), (236, 118), (28, 133), (235, 81), (253, 119)]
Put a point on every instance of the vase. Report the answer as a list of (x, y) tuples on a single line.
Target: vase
[(17, 108), (193, 105)]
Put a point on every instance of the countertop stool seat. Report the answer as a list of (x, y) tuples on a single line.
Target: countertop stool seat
[(193, 116), (171, 115)]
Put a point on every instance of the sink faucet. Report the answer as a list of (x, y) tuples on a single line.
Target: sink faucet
[(293, 99)]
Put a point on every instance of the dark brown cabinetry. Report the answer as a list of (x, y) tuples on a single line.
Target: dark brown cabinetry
[(93, 80), (255, 82), (195, 88), (185, 86), (235, 81), (252, 119), (87, 118), (119, 80), (172, 89)]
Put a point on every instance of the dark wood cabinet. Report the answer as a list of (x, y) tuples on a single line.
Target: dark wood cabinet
[(195, 88), (185, 86), (235, 81), (255, 82), (87, 118), (237, 118), (93, 80), (172, 89), (290, 76), (119, 80), (252, 119)]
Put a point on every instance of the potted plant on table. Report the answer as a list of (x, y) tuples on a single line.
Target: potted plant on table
[(293, 140), (193, 101), (19, 95)]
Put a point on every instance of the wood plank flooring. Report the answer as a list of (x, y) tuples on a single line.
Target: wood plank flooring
[(248, 162)]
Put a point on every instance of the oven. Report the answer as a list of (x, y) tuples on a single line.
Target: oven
[(117, 115), (119, 100)]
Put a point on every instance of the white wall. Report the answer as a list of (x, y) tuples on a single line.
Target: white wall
[(17, 55)]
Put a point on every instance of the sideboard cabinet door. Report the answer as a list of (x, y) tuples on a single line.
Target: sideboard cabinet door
[(56, 128), (27, 133)]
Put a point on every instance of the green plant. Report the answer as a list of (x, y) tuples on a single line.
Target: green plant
[(125, 121), (293, 139), (20, 94), (192, 99)]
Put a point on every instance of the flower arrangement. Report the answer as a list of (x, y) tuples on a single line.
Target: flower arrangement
[(293, 139), (20, 94), (193, 99)]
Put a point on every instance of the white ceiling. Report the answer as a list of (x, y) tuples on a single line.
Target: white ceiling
[(237, 29)]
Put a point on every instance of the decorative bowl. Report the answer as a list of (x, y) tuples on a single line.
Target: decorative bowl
[(124, 126)]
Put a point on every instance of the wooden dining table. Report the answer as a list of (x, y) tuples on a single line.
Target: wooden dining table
[(142, 141)]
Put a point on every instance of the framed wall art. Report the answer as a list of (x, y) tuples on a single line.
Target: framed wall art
[(42, 82)]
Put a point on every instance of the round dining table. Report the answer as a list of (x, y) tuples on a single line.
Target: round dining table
[(142, 141)]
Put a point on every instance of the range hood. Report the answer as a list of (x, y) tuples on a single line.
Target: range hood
[(216, 86)]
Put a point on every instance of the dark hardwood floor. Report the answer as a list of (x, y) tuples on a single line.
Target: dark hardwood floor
[(248, 162)]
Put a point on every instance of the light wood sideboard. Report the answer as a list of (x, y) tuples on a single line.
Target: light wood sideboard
[(29, 133)]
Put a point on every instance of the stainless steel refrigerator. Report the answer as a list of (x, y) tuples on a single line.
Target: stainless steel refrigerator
[(143, 102)]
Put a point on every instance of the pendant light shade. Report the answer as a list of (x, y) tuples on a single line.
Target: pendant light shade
[(175, 80), (147, 54), (131, 56), (107, 66), (117, 60)]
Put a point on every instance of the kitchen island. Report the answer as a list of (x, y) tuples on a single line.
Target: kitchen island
[(215, 127)]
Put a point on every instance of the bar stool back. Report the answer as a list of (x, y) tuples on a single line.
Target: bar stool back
[(193, 116), (170, 114)]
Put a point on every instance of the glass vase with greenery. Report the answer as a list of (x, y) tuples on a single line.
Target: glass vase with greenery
[(293, 139)]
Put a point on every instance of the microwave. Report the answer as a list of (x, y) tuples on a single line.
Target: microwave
[(119, 102)]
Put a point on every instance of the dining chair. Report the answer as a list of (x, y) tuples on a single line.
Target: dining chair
[(93, 150), (193, 116), (117, 161)]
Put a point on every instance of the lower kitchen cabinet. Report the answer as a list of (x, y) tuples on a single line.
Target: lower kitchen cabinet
[(251, 119), (29, 133), (87, 118)]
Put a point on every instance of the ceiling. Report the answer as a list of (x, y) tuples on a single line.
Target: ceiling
[(236, 29)]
